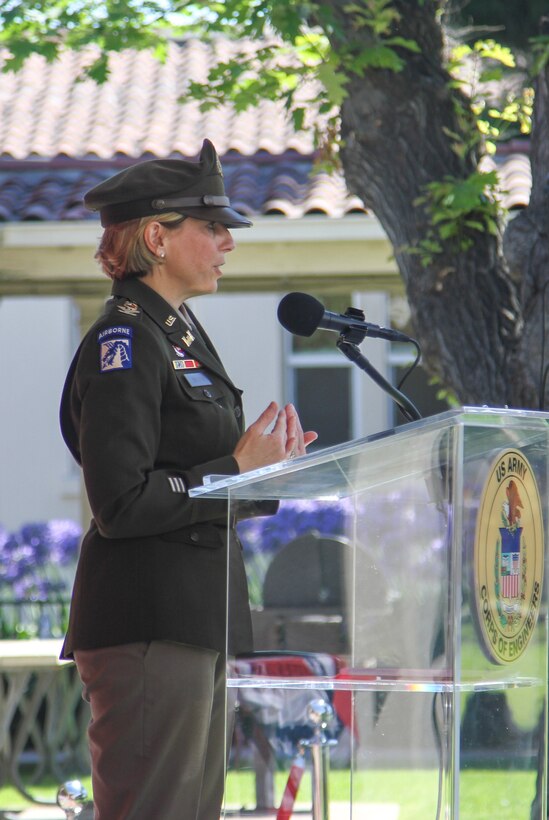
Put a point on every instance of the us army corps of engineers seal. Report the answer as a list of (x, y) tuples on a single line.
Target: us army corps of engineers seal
[(508, 557)]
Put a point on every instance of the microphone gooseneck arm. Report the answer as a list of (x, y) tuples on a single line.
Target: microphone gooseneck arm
[(351, 351)]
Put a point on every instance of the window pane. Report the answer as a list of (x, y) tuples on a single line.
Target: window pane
[(323, 400)]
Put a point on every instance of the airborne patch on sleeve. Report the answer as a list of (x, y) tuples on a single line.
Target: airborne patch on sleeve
[(115, 348)]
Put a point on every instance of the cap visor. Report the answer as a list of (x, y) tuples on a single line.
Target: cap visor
[(226, 216)]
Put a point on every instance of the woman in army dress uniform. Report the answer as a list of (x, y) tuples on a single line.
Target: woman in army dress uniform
[(148, 411)]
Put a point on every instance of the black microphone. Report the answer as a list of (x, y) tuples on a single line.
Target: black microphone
[(302, 314)]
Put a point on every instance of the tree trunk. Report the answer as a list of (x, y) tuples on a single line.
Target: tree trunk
[(468, 310), (526, 244)]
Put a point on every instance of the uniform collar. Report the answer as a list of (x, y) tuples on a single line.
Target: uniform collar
[(178, 332), (150, 301)]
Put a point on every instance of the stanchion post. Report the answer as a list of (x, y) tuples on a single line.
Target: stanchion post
[(320, 713), (71, 797)]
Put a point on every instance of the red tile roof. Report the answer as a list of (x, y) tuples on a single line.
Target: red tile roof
[(60, 136)]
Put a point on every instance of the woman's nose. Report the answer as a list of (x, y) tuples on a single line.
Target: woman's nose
[(228, 243)]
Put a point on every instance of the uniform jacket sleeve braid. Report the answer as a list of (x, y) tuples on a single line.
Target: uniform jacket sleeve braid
[(141, 428)]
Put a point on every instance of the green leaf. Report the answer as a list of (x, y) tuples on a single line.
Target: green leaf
[(377, 15), (447, 230), (99, 70), (334, 82), (378, 56), (476, 226), (492, 226), (298, 118), (411, 45), (490, 49), (489, 75)]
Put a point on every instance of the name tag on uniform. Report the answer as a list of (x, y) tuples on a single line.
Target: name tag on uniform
[(197, 379)]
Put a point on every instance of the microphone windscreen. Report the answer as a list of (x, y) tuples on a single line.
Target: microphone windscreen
[(300, 313)]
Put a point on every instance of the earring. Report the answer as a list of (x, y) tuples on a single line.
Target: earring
[(161, 253)]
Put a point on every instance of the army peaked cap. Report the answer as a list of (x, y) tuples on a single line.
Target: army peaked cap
[(160, 185)]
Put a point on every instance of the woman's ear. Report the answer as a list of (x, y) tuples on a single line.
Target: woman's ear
[(154, 238)]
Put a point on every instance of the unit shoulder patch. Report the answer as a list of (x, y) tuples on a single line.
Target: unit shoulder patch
[(115, 348)]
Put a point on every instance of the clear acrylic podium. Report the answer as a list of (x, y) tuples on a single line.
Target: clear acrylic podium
[(401, 584)]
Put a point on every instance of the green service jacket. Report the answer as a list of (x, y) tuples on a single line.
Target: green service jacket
[(147, 411)]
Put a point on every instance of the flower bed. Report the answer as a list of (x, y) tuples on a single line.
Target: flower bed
[(37, 565)]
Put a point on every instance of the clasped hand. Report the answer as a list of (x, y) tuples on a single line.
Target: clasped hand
[(275, 436)]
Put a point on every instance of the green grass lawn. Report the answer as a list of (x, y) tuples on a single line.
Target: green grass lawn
[(485, 794), (46, 790)]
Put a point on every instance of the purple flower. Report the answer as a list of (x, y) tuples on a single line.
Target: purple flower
[(43, 545), (269, 534), (37, 565), (64, 537), (36, 536)]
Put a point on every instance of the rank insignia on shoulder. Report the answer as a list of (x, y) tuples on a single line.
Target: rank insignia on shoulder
[(129, 308), (185, 364)]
